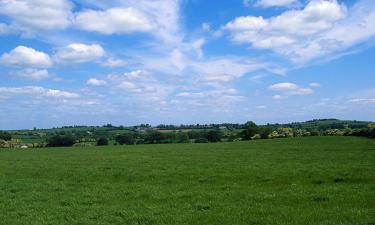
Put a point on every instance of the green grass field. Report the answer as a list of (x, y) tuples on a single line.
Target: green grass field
[(315, 180)]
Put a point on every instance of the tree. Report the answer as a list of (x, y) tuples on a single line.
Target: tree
[(5, 136), (265, 132), (214, 135), (102, 141), (251, 129), (61, 141), (126, 138), (154, 137)]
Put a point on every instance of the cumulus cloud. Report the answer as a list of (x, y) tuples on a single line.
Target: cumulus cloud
[(160, 18), (289, 89), (23, 56), (27, 15), (96, 82), (321, 28), (37, 92), (79, 53), (114, 21), (34, 74), (166, 15)]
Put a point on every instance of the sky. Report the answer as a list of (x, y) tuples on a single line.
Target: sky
[(126, 62)]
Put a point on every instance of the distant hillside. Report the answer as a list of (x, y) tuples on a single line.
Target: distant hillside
[(325, 124)]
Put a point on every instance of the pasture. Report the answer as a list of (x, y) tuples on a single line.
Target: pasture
[(312, 180)]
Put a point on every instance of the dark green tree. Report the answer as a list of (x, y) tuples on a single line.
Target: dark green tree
[(214, 135), (265, 131), (60, 141), (182, 137), (126, 138), (5, 136), (102, 141), (154, 137), (251, 129)]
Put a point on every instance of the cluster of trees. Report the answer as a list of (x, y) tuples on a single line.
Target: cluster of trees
[(5, 136), (156, 137), (61, 141), (368, 132)]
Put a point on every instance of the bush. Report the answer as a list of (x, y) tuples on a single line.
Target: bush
[(125, 139), (102, 141), (61, 141), (201, 140), (182, 137)]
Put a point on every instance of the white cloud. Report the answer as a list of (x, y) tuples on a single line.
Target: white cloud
[(206, 27), (219, 98), (246, 24), (246, 3), (289, 89), (362, 100), (283, 86), (27, 15), (135, 74), (130, 87), (261, 107), (277, 97), (273, 3), (35, 91), (197, 46), (178, 59), (79, 53), (114, 63), (318, 15), (96, 82), (321, 30), (34, 74), (114, 21), (314, 85), (160, 18), (210, 93), (4, 29), (23, 56), (224, 69), (142, 85), (166, 15)]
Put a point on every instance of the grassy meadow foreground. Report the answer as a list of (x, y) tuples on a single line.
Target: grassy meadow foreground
[(311, 180)]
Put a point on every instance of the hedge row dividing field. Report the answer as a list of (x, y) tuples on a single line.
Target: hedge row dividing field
[(313, 180)]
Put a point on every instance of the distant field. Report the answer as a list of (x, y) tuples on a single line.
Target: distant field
[(314, 180)]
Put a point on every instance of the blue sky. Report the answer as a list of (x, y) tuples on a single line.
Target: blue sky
[(91, 62)]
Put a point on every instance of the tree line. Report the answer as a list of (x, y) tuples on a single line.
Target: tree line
[(163, 134)]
